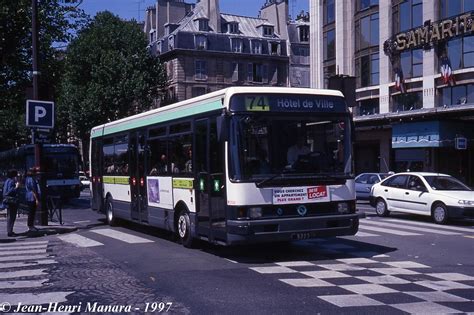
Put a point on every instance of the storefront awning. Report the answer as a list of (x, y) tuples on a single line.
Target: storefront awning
[(425, 134)]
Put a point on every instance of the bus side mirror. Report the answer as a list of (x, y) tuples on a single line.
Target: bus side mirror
[(222, 128)]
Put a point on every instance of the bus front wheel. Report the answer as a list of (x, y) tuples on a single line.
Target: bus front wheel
[(184, 229), (109, 212)]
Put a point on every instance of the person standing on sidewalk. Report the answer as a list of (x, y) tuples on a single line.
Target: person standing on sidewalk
[(32, 197), (10, 188)]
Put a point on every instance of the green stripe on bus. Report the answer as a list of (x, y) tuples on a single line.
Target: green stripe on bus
[(183, 183), (119, 180), (158, 118)]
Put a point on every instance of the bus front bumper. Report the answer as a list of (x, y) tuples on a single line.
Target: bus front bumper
[(278, 230)]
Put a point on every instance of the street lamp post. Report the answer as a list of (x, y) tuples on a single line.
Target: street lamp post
[(41, 216)]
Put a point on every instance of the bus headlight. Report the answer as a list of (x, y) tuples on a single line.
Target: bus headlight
[(255, 212), (343, 207)]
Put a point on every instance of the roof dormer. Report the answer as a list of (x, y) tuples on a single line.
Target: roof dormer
[(233, 27), (266, 29), (202, 24)]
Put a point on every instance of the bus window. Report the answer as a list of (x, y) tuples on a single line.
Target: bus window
[(108, 151), (121, 156), (158, 157)]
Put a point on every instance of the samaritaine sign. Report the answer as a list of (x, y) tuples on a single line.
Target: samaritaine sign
[(430, 33)]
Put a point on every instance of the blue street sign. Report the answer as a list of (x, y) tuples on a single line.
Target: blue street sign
[(39, 114), (461, 143)]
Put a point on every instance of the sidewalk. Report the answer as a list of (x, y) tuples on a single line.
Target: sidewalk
[(21, 229)]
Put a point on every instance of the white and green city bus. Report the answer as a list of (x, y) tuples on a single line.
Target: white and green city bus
[(217, 167)]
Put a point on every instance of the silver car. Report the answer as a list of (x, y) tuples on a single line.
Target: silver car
[(364, 183)]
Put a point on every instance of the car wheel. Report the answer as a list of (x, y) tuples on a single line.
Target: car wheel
[(381, 208), (440, 213), (109, 212), (184, 229)]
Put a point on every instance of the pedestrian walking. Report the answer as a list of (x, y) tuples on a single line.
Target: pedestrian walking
[(10, 188), (32, 197)]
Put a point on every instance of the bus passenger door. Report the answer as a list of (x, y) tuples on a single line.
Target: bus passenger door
[(210, 181), (138, 197), (96, 175)]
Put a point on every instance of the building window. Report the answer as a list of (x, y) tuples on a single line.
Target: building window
[(171, 42), (268, 31), (233, 28), (304, 33), (152, 36), (256, 47), (257, 72), (461, 52), (407, 15), (274, 48), (450, 8), (198, 90), (367, 32), (203, 25), (365, 4), (329, 13), (411, 62), (329, 45), (367, 70), (367, 107), (457, 95), (407, 101), (201, 42), (329, 71), (200, 70), (237, 45)]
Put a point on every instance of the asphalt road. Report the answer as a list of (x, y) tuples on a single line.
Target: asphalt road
[(399, 264)]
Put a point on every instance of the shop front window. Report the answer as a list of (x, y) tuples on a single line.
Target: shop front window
[(330, 45), (461, 52), (407, 15), (450, 8), (457, 95), (367, 107), (411, 62), (407, 101)]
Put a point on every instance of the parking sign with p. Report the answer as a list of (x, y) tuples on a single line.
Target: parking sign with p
[(39, 114)]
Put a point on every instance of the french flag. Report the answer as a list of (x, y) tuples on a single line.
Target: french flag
[(447, 71), (399, 81)]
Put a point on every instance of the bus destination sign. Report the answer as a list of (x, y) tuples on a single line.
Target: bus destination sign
[(287, 103)]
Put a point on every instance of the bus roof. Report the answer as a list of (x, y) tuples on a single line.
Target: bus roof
[(197, 105)]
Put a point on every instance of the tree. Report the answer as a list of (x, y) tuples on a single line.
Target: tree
[(58, 20), (109, 74)]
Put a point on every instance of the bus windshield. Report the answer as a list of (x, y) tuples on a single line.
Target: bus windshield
[(61, 165), (268, 146)]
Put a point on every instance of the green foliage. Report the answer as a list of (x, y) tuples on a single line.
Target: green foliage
[(57, 24), (109, 74)]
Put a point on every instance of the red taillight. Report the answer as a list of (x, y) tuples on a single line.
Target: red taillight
[(93, 179), (98, 179), (142, 182), (134, 181)]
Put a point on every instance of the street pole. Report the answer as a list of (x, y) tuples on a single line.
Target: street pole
[(41, 216)]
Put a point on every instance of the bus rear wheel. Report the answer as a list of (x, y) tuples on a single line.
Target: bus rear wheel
[(109, 212), (184, 229)]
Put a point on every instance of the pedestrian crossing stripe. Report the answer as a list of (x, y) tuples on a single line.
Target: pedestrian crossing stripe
[(412, 228)]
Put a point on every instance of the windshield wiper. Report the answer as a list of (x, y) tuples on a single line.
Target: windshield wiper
[(268, 179)]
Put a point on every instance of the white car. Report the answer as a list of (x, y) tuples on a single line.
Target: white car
[(85, 182), (431, 194)]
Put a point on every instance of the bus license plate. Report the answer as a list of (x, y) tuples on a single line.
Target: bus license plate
[(302, 236)]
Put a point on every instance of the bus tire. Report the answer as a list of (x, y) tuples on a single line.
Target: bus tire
[(381, 208), (184, 229), (109, 212)]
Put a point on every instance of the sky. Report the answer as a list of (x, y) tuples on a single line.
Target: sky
[(128, 9)]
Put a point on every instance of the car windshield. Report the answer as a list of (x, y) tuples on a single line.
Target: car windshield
[(271, 145), (445, 183)]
